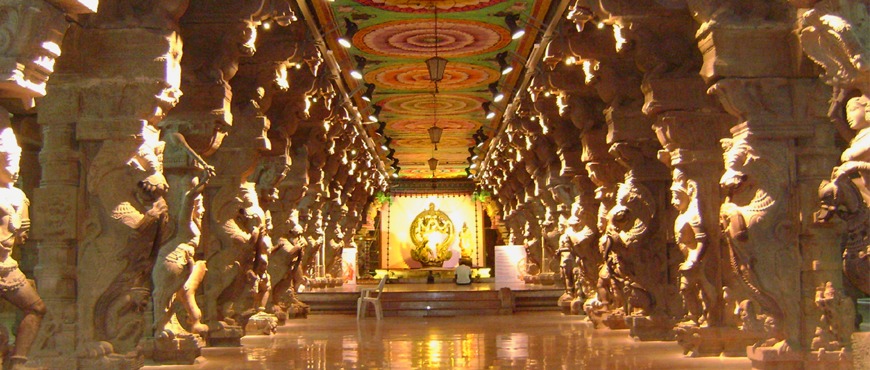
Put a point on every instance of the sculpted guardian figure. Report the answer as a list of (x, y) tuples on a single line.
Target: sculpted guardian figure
[(698, 293), (843, 197), (14, 225)]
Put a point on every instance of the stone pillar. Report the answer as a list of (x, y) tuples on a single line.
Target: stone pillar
[(100, 121), (832, 33), (749, 58), (237, 247)]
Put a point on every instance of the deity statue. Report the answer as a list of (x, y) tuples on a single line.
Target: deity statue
[(580, 258), (14, 226), (432, 233), (465, 242), (699, 295), (177, 275), (284, 269), (848, 198)]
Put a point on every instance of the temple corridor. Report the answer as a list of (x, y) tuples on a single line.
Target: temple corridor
[(543, 340), (217, 183)]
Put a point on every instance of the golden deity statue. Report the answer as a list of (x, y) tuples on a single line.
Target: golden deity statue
[(432, 233)]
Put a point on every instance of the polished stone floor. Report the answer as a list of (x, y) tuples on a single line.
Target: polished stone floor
[(541, 340)]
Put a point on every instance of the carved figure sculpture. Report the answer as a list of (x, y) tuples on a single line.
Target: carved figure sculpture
[(176, 274), (751, 214), (580, 241), (838, 319), (465, 242), (699, 295), (130, 212), (431, 232), (628, 228), (841, 197), (14, 226), (533, 261), (285, 272)]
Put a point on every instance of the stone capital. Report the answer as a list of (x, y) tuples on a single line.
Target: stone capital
[(772, 107), (627, 124), (675, 94), (33, 32), (741, 50)]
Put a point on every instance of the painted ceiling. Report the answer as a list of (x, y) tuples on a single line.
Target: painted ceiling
[(395, 37)]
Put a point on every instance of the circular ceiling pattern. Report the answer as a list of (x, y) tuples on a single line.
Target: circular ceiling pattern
[(415, 76), (424, 104), (424, 173), (425, 144), (416, 6), (423, 124), (415, 38)]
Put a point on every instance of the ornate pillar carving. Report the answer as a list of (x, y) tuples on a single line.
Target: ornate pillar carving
[(637, 226), (767, 183), (833, 34), (237, 235), (103, 118)]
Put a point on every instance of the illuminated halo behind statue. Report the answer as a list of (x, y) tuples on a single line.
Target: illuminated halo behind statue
[(432, 233)]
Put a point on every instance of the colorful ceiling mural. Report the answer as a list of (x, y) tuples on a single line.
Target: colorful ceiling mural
[(391, 40)]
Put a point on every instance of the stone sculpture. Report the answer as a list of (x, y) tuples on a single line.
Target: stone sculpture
[(837, 322), (14, 226), (579, 246), (752, 211), (699, 295), (137, 215), (177, 274)]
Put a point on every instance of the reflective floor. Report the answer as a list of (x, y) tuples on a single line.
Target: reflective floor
[(545, 340)]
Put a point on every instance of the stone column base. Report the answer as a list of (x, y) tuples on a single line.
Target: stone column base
[(181, 350), (770, 358), (602, 317), (100, 355), (225, 336), (262, 323), (713, 341), (645, 328)]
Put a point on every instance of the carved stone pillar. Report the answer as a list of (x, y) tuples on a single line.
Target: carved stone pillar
[(111, 112), (236, 238), (692, 150), (761, 214), (638, 224), (832, 33), (750, 58)]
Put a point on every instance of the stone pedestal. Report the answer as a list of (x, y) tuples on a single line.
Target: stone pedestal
[(602, 317), (262, 323), (225, 336), (647, 328), (768, 358), (713, 341), (183, 349)]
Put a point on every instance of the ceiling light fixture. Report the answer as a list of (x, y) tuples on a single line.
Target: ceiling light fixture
[(435, 131), (512, 23), (497, 95), (503, 65), (356, 73), (433, 165), (373, 117), (350, 29), (370, 90), (488, 111), (436, 65)]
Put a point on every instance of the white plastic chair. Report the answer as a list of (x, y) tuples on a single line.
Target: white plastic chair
[(372, 296)]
